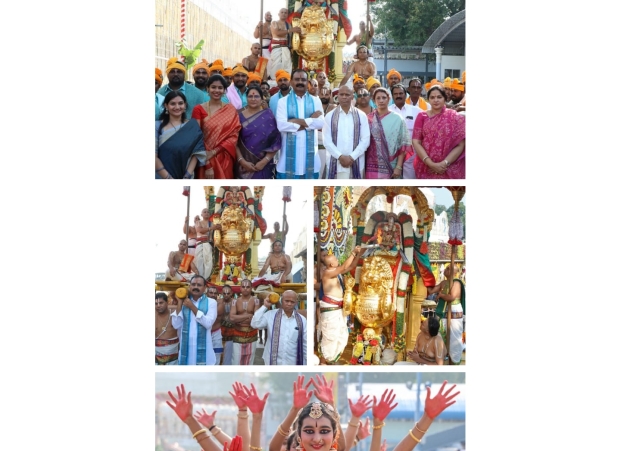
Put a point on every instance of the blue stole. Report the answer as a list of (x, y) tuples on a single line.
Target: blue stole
[(200, 334), (291, 141)]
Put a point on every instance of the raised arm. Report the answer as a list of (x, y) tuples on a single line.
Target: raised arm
[(348, 265), (300, 398), (182, 406), (358, 408), (256, 406), (380, 412), (243, 429), (432, 408)]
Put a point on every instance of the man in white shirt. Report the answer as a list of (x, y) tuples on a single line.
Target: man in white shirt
[(193, 320), (286, 340), (409, 113), (346, 137), (298, 116)]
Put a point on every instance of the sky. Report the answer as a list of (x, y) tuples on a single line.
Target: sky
[(171, 206)]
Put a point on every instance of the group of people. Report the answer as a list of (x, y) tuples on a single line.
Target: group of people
[(207, 329), (307, 425), (228, 124)]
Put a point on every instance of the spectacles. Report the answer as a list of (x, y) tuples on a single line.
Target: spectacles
[(359, 96)]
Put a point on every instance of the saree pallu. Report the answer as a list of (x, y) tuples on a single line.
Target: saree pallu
[(220, 132), (176, 147), (259, 135), (439, 134), (389, 138)]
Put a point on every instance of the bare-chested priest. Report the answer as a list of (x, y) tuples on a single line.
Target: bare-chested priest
[(244, 339), (277, 234), (280, 265), (266, 36), (167, 340), (203, 255), (332, 321), (174, 262), (255, 62)]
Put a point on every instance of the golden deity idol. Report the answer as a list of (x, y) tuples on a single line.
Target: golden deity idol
[(235, 236), (374, 306), (316, 40)]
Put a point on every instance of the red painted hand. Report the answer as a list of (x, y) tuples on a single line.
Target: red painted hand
[(364, 430), (384, 407), (183, 405), (324, 390), (300, 394), (205, 418), (434, 407), (360, 406), (254, 403), (239, 394)]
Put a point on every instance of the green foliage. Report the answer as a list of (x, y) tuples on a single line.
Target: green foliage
[(411, 22), (438, 209)]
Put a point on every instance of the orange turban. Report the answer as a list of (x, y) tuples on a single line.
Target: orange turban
[(357, 78), (253, 76), (202, 65), (455, 84), (227, 72), (372, 81), (447, 82), (158, 74), (393, 72), (239, 69), (282, 74), (216, 65), (464, 76), (173, 63)]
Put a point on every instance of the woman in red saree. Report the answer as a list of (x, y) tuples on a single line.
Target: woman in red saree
[(220, 125)]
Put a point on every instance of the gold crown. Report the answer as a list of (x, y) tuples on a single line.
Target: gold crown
[(315, 411)]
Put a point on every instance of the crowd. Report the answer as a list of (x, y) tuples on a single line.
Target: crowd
[(307, 425), (261, 119)]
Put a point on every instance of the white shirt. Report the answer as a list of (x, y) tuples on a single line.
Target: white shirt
[(407, 111), (288, 334), (206, 320), (286, 127), (345, 137)]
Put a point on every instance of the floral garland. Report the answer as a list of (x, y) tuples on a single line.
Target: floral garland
[(399, 344), (362, 351)]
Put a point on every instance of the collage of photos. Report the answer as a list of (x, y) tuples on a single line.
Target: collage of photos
[(260, 288)]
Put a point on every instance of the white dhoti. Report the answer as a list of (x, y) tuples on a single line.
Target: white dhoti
[(217, 345), (455, 340), (192, 246), (167, 351), (243, 353), (333, 329), (265, 50), (279, 59), (203, 259), (267, 279)]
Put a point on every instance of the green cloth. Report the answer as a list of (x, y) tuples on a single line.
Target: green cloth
[(441, 308)]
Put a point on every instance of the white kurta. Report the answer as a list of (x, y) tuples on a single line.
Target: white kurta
[(205, 320), (345, 138), (409, 113), (286, 128), (288, 334)]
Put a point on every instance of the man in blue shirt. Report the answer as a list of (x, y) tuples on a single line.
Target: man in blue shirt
[(176, 82)]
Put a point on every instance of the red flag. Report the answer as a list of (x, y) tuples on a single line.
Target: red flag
[(186, 190)]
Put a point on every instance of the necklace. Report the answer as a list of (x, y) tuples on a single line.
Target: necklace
[(218, 107), (165, 327), (175, 126)]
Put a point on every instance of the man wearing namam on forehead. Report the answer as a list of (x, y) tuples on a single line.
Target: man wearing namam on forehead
[(167, 340), (280, 45), (277, 234), (174, 261), (244, 337), (255, 63), (203, 253)]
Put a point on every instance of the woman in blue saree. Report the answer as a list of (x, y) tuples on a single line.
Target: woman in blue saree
[(179, 142), (259, 139)]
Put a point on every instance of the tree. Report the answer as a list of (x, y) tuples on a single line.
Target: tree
[(411, 22), (438, 209)]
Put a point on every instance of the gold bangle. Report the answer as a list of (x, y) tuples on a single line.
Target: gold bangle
[(199, 440), (285, 434), (217, 431), (418, 428), (200, 431), (380, 426), (413, 436), (352, 424), (256, 448), (243, 417)]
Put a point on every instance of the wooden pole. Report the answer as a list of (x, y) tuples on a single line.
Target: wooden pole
[(187, 226), (457, 195), (261, 29)]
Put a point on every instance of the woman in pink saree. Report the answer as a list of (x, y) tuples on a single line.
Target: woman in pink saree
[(389, 140), (439, 140), (220, 125)]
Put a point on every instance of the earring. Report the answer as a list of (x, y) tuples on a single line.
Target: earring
[(299, 445)]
